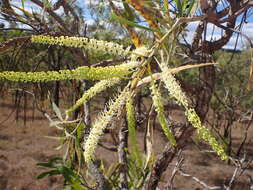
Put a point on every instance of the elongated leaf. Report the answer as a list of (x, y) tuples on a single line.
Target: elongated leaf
[(190, 9), (132, 132), (179, 7), (23, 4), (76, 185), (55, 138), (47, 174), (46, 3), (79, 131), (57, 111), (130, 23), (166, 7), (55, 159), (67, 187), (46, 165), (156, 96), (129, 13), (194, 7), (50, 164), (71, 177), (250, 81), (28, 14)]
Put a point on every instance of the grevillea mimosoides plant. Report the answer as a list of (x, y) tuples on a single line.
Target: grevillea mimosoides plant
[(136, 70)]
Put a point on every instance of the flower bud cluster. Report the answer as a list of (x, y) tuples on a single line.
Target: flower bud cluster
[(84, 72), (100, 124), (177, 93), (205, 134), (97, 88), (82, 42), (174, 89)]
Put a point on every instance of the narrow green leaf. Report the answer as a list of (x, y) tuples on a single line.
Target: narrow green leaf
[(50, 163), (47, 174), (79, 131), (57, 111), (71, 177), (54, 159), (156, 96), (130, 23), (46, 165), (46, 3), (129, 13), (77, 186), (184, 5), (67, 187), (190, 7), (26, 13), (23, 4), (132, 132), (179, 7)]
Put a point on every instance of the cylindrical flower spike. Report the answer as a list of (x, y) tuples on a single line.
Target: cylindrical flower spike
[(205, 134), (174, 89), (177, 93), (97, 88), (82, 42), (100, 124), (84, 72)]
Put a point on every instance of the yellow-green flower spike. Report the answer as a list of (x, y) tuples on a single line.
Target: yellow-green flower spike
[(82, 42), (205, 134), (174, 89), (97, 88), (100, 124), (84, 72), (177, 93), (156, 96)]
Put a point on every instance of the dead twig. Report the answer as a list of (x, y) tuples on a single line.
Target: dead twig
[(161, 165), (10, 43), (99, 177), (169, 185), (182, 173), (123, 136)]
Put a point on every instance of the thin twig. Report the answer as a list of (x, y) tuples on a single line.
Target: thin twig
[(22, 29), (110, 148), (57, 18), (169, 185), (199, 181), (96, 173), (109, 61), (123, 136), (158, 76), (161, 165)]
